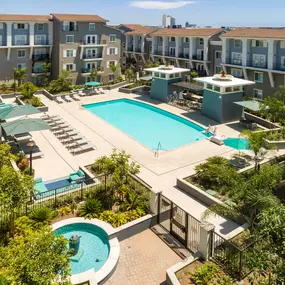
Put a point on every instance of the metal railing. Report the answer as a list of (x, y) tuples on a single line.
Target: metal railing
[(261, 64), (198, 57), (157, 52), (138, 49), (98, 42), (236, 61), (41, 42), (87, 70), (90, 56), (20, 43), (130, 48), (183, 55), (40, 56)]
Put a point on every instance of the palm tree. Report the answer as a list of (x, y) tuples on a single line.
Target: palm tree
[(20, 74), (90, 209), (129, 73), (114, 68), (93, 74), (132, 201), (45, 76), (3, 88)]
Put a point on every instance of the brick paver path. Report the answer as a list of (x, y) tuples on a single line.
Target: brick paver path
[(143, 260)]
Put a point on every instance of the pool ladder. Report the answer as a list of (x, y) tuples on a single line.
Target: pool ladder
[(156, 153)]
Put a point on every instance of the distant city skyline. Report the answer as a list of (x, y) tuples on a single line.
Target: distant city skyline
[(214, 13)]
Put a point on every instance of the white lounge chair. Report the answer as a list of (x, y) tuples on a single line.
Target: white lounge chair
[(67, 98), (76, 97), (23, 137), (96, 91), (59, 100), (83, 148), (219, 140), (81, 93), (101, 90)]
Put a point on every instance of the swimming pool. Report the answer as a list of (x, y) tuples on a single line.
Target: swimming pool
[(147, 124), (237, 143)]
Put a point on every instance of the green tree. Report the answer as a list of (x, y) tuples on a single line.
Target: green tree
[(90, 209), (27, 90), (94, 74), (20, 74), (3, 88), (15, 190), (132, 201), (62, 83), (193, 74), (273, 109), (280, 93), (45, 77), (115, 68), (129, 74), (5, 154), (38, 257)]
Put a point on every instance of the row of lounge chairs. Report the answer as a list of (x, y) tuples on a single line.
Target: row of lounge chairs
[(20, 142), (75, 96), (68, 136)]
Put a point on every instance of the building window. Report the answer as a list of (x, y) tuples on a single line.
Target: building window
[(201, 41), (20, 26), (218, 54), (259, 43), (187, 65), (209, 86), (91, 26), (112, 51), (111, 77), (258, 94), (218, 69), (69, 26), (112, 38), (237, 43), (20, 40), (21, 53), (172, 39), (21, 65), (186, 40), (40, 27), (258, 77), (259, 60), (236, 72), (69, 53), (70, 67), (69, 39)]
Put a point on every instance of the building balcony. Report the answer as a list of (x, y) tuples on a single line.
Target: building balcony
[(38, 70), (280, 67), (259, 64), (235, 61), (90, 43), (130, 48), (3, 43), (138, 50), (40, 56), (92, 56), (171, 54), (21, 43), (198, 57), (87, 70), (41, 42)]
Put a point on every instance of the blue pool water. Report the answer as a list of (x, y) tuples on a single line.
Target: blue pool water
[(147, 124), (237, 143), (94, 246), (57, 184)]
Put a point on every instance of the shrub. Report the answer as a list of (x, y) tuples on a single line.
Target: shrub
[(205, 273), (41, 215), (63, 211), (90, 209), (35, 101)]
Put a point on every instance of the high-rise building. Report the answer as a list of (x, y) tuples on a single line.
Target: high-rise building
[(168, 21), (189, 25)]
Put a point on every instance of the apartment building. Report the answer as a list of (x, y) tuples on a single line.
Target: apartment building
[(138, 46), (84, 42), (258, 55), (25, 42), (188, 48)]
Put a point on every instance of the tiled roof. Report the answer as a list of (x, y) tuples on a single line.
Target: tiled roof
[(255, 33), (79, 18), (141, 31), (33, 18), (199, 32), (132, 26)]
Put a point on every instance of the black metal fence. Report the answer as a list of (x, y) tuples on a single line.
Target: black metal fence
[(54, 199), (184, 227)]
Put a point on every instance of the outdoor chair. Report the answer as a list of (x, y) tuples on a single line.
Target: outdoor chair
[(77, 176), (101, 90), (76, 97), (68, 98), (59, 100), (219, 140), (81, 93)]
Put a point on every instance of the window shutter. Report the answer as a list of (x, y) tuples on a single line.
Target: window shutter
[(74, 67), (282, 45), (108, 51), (64, 67), (1, 26), (265, 43), (253, 43), (15, 26), (116, 51), (74, 53), (108, 64), (64, 53)]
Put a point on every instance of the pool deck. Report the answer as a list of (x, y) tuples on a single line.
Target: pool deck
[(159, 172)]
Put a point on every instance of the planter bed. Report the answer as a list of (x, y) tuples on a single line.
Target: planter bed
[(114, 86), (42, 108), (279, 144), (132, 90)]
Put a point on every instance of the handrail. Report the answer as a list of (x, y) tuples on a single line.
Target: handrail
[(156, 153)]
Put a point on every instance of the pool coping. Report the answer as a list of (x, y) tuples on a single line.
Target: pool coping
[(107, 269), (161, 151)]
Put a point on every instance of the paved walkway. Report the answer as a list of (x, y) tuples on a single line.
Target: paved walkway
[(143, 260)]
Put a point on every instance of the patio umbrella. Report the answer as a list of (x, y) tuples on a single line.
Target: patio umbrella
[(23, 126), (92, 83), (17, 111)]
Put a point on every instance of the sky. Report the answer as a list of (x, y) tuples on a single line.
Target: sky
[(214, 13)]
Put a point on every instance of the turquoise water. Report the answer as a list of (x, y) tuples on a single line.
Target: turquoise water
[(94, 246), (147, 124), (237, 143)]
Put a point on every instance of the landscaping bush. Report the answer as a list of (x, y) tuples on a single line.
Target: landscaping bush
[(90, 209), (41, 215)]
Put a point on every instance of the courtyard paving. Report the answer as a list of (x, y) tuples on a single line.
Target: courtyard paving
[(144, 259)]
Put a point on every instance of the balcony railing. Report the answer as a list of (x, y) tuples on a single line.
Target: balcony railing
[(198, 57), (167, 53), (41, 42), (90, 56), (21, 43), (158, 52), (87, 70), (130, 48), (102, 42), (37, 70), (183, 55), (260, 64), (236, 61), (3, 43), (138, 50), (40, 56)]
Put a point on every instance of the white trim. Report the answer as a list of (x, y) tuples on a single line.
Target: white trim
[(40, 25), (271, 79), (18, 53), (69, 43), (218, 51), (237, 41), (112, 35), (94, 27)]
